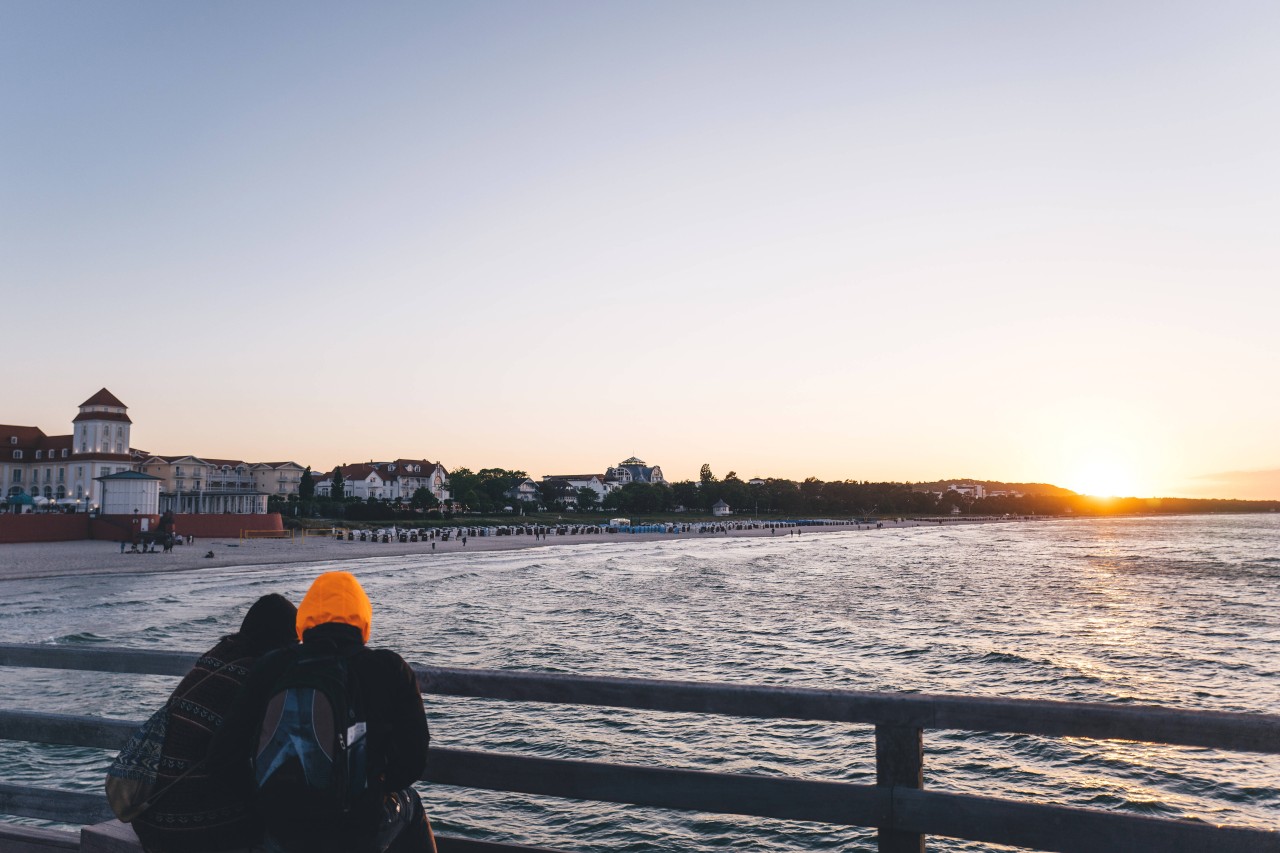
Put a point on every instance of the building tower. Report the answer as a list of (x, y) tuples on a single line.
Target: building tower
[(102, 427)]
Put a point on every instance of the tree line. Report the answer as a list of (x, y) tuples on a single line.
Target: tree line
[(490, 491)]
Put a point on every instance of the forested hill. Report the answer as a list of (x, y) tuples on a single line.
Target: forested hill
[(997, 486)]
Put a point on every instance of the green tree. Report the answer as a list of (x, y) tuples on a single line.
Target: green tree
[(735, 493), (423, 499), (686, 494), (495, 483), (339, 485), (553, 493), (464, 485), (587, 499), (704, 475), (307, 485)]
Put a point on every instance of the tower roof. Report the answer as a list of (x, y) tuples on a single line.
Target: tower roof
[(104, 398)]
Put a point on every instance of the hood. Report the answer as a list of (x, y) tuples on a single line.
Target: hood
[(335, 597)]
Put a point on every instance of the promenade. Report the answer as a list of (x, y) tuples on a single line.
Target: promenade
[(92, 557)]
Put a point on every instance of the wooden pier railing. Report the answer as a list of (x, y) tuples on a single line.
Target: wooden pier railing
[(898, 805)]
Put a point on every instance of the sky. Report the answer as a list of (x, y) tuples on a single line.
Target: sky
[(1027, 242)]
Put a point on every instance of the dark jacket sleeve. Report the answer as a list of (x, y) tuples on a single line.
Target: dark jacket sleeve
[(406, 719)]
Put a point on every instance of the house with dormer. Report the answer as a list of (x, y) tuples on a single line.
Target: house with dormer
[(397, 480), (574, 482), (632, 470), (65, 469)]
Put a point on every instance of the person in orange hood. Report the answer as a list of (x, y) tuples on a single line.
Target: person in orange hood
[(334, 622)]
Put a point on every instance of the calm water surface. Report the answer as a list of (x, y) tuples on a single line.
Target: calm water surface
[(1173, 611)]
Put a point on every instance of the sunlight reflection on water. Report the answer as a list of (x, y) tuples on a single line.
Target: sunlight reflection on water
[(1169, 611)]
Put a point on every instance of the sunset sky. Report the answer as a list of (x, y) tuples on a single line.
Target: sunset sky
[(902, 241)]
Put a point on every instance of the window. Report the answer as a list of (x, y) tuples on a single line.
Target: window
[(79, 472), (17, 476), (64, 453), (177, 471), (17, 454), (62, 475), (39, 453), (13, 439)]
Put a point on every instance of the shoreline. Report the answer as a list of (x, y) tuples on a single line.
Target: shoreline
[(88, 557)]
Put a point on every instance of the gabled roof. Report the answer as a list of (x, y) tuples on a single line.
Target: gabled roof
[(57, 442), (226, 463), (426, 465), (104, 398), (355, 472), (27, 436)]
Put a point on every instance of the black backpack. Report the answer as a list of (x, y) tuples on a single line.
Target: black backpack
[(310, 760)]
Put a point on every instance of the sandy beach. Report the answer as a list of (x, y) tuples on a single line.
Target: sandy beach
[(92, 557)]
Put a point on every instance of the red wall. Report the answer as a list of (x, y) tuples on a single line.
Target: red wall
[(55, 527), (207, 525)]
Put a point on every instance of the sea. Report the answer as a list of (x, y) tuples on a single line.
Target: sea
[(1175, 611)]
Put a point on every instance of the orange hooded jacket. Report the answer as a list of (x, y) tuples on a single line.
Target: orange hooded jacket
[(335, 597)]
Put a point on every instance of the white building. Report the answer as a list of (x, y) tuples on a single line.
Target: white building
[(525, 491), (574, 482), (67, 468), (971, 490), (396, 480), (632, 470), (720, 508), (130, 493)]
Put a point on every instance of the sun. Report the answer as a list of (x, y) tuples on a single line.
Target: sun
[(1103, 480)]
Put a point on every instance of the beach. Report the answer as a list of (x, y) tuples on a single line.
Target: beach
[(95, 557)]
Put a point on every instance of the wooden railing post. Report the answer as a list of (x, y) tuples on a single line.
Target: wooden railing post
[(900, 764)]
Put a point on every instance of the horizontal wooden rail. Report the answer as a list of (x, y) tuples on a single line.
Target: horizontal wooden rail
[(1150, 723), (1041, 827), (896, 804)]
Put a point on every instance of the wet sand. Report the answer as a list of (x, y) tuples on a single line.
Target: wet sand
[(91, 557)]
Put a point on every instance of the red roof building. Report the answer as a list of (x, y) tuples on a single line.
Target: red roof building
[(63, 470)]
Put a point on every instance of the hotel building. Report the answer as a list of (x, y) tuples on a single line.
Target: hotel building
[(36, 468)]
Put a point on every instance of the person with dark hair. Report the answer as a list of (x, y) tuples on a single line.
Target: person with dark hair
[(197, 809)]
